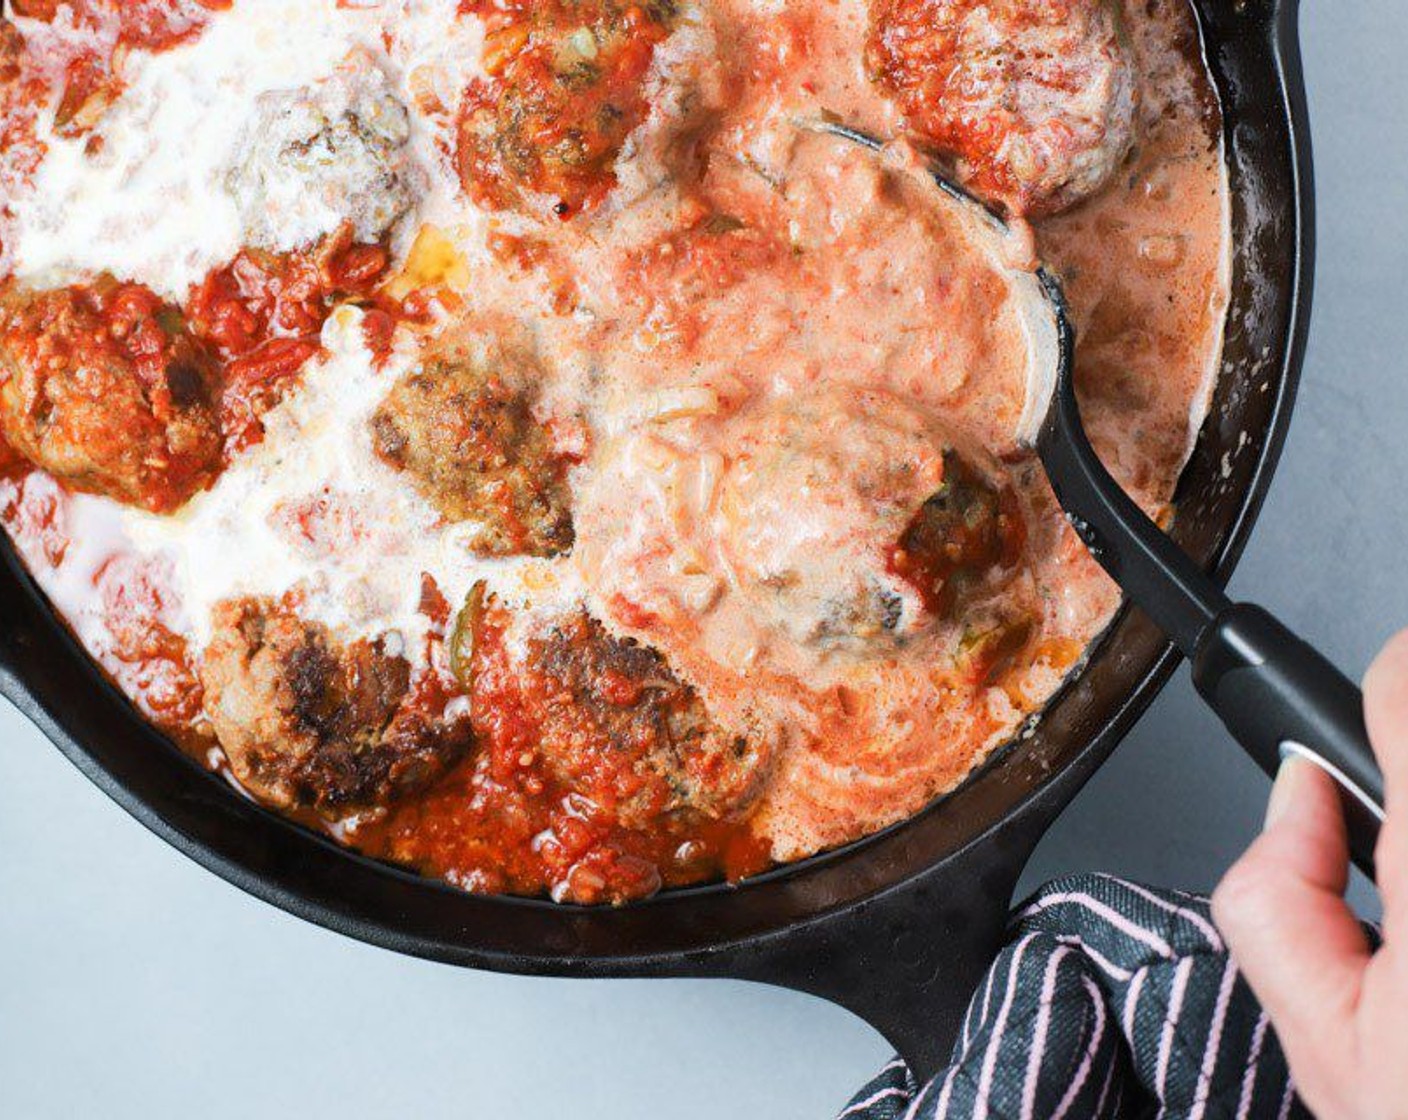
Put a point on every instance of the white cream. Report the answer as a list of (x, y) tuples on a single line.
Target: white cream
[(372, 536), (150, 203), (96, 536), (360, 575), (153, 205)]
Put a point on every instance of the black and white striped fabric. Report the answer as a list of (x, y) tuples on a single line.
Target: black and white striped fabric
[(1110, 1000)]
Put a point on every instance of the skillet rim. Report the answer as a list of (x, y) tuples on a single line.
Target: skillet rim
[(310, 876)]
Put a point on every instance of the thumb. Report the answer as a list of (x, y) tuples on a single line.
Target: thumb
[(1282, 910)]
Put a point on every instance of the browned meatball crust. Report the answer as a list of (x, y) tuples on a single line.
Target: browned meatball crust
[(463, 430), (611, 721), (308, 722), (104, 387)]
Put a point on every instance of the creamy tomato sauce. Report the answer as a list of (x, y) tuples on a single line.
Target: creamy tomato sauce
[(811, 577)]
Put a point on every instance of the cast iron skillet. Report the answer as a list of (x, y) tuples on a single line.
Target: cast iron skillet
[(898, 927)]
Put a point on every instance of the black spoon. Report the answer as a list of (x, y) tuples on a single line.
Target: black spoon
[(1277, 695)]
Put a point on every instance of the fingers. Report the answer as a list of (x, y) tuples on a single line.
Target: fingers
[(1282, 912), (1386, 713)]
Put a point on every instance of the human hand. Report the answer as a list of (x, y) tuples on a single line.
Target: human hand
[(1340, 1010)]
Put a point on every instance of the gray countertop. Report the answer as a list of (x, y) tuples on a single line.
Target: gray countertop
[(132, 983)]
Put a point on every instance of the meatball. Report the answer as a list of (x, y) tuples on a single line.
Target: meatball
[(969, 529), (315, 159), (818, 486), (851, 523), (461, 425), (567, 85), (610, 721), (1035, 101), (308, 722), (105, 387)]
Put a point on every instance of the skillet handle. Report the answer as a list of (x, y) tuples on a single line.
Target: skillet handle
[(1279, 697), (907, 961)]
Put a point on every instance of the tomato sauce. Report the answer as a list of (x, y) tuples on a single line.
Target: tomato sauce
[(265, 311), (500, 822), (153, 660), (92, 76)]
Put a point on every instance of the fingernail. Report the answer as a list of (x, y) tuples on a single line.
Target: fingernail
[(1283, 791)]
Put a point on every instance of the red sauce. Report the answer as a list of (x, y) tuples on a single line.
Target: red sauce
[(264, 313), (78, 71), (773, 51), (677, 277), (154, 662), (150, 25), (500, 822)]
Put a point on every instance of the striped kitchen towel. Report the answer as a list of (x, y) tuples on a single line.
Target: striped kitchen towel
[(1110, 1000)]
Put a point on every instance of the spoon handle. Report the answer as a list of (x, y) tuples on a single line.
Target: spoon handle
[(1280, 697), (1276, 694)]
